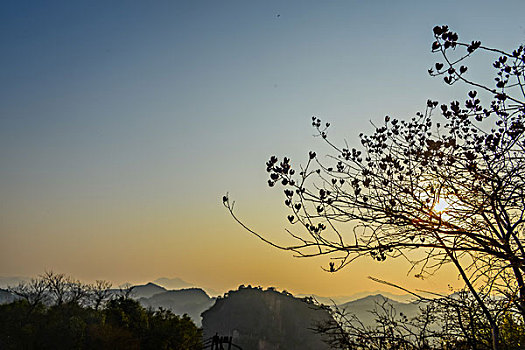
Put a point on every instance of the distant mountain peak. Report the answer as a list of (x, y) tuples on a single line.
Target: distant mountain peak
[(147, 290), (149, 285), (173, 283)]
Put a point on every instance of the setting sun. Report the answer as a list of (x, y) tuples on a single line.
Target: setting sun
[(441, 205)]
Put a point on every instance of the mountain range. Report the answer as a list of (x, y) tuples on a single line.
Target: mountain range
[(194, 301), (184, 298), (339, 300)]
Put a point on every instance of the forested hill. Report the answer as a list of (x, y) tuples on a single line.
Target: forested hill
[(266, 320)]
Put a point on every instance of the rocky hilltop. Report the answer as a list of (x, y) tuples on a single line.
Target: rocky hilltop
[(266, 320)]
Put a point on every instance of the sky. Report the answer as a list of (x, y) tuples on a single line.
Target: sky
[(123, 123)]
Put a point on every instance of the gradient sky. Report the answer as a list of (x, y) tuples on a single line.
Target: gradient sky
[(122, 124)]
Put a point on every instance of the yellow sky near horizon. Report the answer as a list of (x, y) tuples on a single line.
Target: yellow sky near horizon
[(214, 252)]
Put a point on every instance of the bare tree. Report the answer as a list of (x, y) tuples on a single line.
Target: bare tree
[(448, 183), (57, 285), (452, 321), (64, 289), (126, 290), (34, 292), (78, 292), (56, 289), (100, 292)]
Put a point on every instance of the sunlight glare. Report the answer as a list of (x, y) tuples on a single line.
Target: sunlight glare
[(441, 206)]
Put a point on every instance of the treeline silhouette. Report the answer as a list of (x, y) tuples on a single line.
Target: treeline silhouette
[(57, 312)]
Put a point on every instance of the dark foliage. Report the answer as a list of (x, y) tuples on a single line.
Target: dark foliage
[(50, 318)]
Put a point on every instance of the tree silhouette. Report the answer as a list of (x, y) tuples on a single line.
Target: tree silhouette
[(99, 293), (443, 322), (56, 311), (448, 183)]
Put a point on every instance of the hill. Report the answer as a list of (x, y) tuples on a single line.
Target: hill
[(178, 283), (363, 308), (146, 290), (12, 281), (265, 320), (192, 301), (7, 297)]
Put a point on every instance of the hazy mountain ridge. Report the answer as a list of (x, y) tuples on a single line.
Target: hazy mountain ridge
[(178, 283), (363, 308), (147, 290), (173, 283), (11, 281), (7, 297), (191, 301), (194, 301), (343, 299)]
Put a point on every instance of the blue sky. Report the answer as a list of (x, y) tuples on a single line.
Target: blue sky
[(122, 123)]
